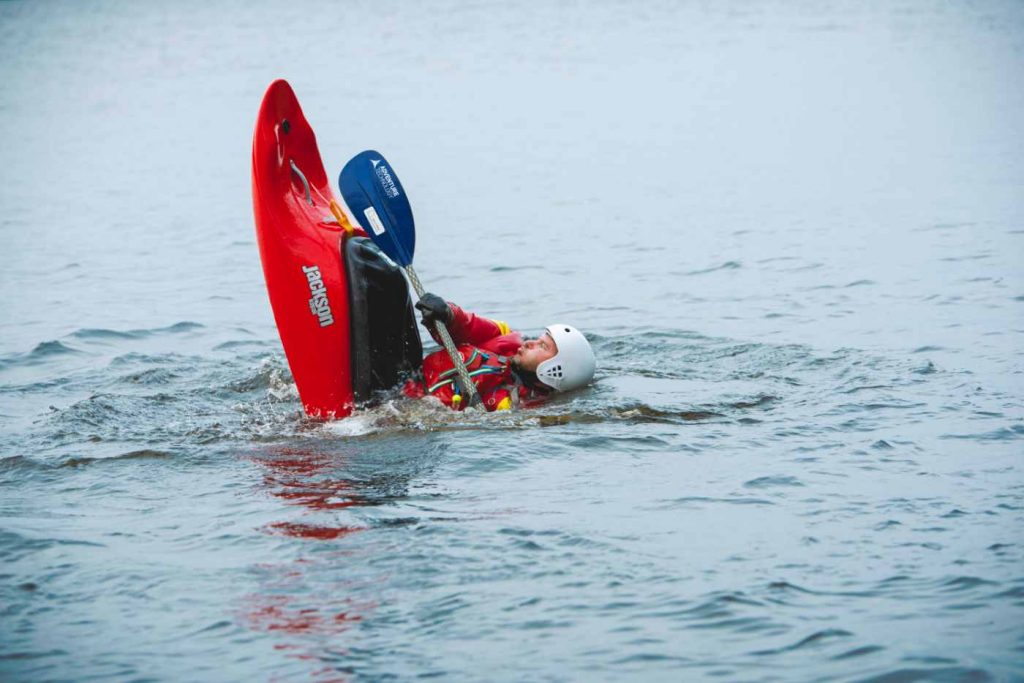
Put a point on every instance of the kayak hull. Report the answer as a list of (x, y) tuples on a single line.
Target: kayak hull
[(300, 243)]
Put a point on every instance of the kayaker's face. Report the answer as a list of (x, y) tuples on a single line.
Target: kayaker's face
[(533, 352)]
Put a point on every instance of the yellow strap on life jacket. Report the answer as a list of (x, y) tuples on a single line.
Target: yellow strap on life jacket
[(504, 404), (502, 326)]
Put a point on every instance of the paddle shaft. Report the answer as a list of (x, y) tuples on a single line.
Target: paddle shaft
[(372, 189), (446, 339)]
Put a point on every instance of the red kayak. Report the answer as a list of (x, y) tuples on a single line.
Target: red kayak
[(300, 242), (341, 308)]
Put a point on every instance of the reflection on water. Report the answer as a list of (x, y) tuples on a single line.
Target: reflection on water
[(293, 601)]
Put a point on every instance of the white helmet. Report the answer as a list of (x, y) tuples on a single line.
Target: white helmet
[(573, 366)]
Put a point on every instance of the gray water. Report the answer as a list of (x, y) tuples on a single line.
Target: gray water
[(793, 231)]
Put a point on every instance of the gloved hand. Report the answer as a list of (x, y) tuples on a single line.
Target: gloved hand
[(435, 309)]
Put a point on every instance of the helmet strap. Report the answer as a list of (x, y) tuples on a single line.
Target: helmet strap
[(529, 380)]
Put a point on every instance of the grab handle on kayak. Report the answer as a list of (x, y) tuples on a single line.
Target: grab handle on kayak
[(305, 183), (339, 216)]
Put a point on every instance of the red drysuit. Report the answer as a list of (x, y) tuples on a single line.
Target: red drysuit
[(485, 346)]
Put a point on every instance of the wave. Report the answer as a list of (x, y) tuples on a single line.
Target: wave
[(728, 265), (43, 352), (1013, 432), (90, 333), (770, 482), (813, 639), (704, 501), (143, 454)]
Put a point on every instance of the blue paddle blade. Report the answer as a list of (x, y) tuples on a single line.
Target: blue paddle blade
[(378, 201)]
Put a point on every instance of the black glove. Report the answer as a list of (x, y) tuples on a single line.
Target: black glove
[(435, 310)]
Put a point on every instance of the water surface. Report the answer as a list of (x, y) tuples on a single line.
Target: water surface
[(793, 233)]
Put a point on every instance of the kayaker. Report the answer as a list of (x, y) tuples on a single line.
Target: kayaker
[(508, 371)]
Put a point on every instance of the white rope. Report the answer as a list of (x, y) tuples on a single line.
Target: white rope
[(464, 379)]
